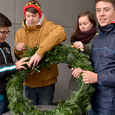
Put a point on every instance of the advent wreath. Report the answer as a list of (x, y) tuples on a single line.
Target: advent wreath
[(79, 102)]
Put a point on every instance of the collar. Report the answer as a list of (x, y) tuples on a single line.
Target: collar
[(113, 22), (107, 29)]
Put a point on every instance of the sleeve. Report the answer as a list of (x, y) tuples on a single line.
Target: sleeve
[(17, 40), (106, 78), (87, 48), (7, 69), (56, 36)]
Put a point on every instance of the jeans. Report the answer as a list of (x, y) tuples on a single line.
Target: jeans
[(40, 95), (92, 112), (4, 106)]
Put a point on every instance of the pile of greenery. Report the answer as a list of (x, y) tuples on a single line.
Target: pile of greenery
[(79, 102)]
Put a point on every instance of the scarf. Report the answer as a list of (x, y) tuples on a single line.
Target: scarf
[(85, 37)]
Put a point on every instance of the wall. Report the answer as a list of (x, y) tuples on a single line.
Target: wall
[(62, 12)]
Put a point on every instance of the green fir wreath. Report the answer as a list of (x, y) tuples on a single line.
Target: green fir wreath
[(79, 102)]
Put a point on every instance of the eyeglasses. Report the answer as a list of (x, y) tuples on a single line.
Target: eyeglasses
[(5, 33)]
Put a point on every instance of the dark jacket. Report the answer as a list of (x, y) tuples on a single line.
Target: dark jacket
[(7, 66), (87, 48), (103, 60)]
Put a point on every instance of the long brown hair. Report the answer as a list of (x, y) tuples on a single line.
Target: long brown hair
[(91, 17)]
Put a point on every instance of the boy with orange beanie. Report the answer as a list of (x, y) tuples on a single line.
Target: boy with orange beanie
[(39, 87)]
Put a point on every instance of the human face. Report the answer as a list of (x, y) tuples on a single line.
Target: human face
[(32, 19), (84, 24), (4, 31), (105, 13)]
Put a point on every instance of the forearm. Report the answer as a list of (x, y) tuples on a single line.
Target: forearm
[(55, 37), (8, 69)]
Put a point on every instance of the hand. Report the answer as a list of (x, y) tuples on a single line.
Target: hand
[(19, 64), (20, 47), (78, 45), (76, 72), (89, 77), (35, 59)]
